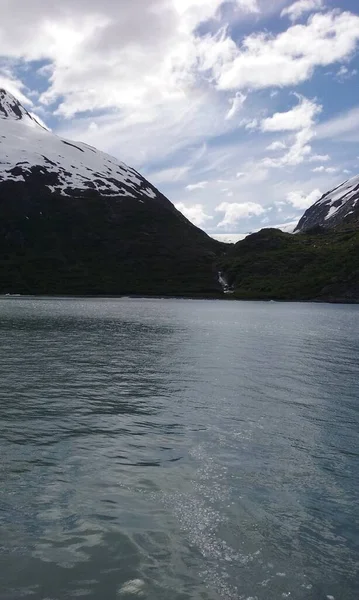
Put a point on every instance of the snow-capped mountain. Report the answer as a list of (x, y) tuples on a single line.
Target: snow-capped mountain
[(26, 145), (336, 208), (76, 220)]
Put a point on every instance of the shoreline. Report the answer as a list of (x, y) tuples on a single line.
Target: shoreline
[(228, 297)]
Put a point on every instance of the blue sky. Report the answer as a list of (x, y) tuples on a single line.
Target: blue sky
[(242, 112)]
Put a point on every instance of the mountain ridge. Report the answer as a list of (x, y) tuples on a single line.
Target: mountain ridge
[(321, 266), (337, 208)]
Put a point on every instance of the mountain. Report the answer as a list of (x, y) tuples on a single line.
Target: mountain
[(274, 265), (320, 263), (74, 220), (337, 208)]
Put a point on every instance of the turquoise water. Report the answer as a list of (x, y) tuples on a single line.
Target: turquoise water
[(178, 449)]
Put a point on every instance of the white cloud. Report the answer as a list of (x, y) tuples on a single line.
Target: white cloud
[(237, 103), (234, 211), (196, 11), (319, 158), (172, 174), (160, 92), (276, 146), (115, 54), (195, 213), (136, 55), (323, 169), (299, 8), (343, 74), (173, 127), (343, 127), (252, 124), (342, 71), (248, 5), (253, 174), (14, 86), (299, 117), (300, 200), (197, 186), (289, 58)]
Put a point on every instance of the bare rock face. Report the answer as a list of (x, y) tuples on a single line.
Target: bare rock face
[(77, 220)]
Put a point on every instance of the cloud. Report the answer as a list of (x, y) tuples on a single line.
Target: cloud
[(319, 158), (237, 103), (248, 5), (173, 87), (136, 55), (197, 186), (303, 201), (290, 58), (343, 127), (234, 211), (342, 71), (14, 86), (196, 11), (299, 8), (276, 146), (195, 213), (171, 174), (323, 169), (172, 127), (300, 117), (252, 124), (115, 55), (343, 74), (255, 174)]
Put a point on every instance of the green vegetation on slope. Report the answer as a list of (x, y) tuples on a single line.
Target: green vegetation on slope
[(52, 244), (98, 246), (321, 265)]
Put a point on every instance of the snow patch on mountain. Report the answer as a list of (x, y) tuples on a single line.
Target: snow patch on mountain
[(334, 207), (73, 166)]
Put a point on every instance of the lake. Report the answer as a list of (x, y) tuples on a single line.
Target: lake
[(178, 450)]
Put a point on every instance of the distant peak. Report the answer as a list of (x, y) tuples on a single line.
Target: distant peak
[(11, 108)]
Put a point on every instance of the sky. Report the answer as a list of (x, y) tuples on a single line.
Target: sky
[(243, 113)]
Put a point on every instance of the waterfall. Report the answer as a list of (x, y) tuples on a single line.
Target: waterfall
[(224, 283)]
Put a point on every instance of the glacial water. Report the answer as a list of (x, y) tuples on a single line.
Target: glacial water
[(178, 450)]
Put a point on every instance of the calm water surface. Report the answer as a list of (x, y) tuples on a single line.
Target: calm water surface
[(178, 450)]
